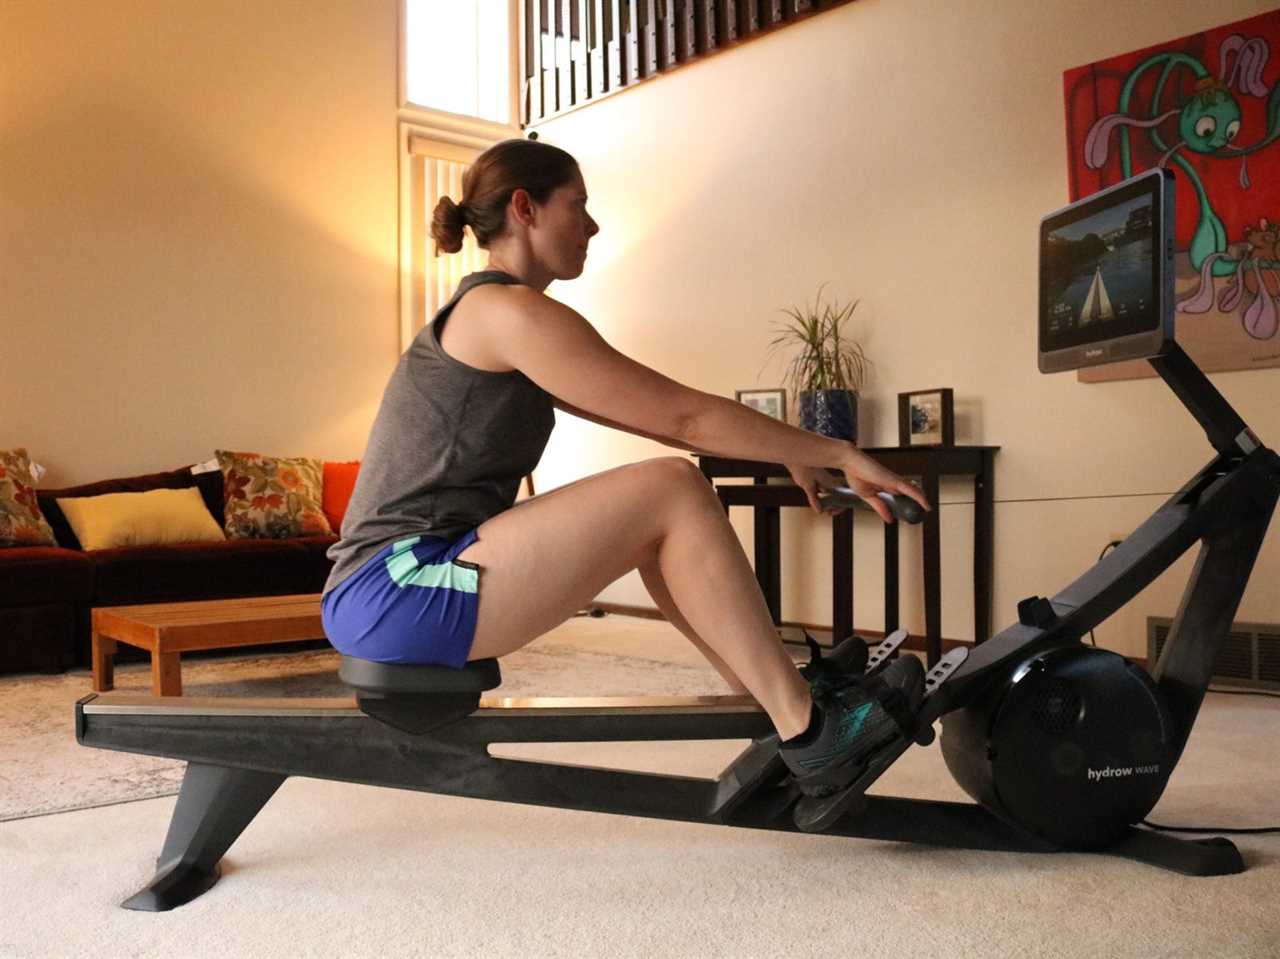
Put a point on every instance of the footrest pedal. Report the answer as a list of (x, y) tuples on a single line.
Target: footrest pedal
[(814, 814), (933, 681), (943, 669), (887, 647)]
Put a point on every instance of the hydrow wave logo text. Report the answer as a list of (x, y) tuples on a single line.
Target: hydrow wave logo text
[(1119, 772)]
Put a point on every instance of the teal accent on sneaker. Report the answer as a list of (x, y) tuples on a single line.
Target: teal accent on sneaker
[(846, 732)]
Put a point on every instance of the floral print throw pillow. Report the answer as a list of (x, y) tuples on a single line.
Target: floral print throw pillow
[(272, 498), (21, 522)]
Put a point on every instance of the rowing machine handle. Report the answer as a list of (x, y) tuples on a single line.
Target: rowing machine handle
[(841, 497)]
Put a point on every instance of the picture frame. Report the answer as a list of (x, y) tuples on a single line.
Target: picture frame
[(772, 403), (927, 418)]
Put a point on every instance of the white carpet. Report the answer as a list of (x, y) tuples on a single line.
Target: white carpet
[(332, 869)]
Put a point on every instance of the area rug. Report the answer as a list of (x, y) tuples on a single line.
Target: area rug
[(43, 769)]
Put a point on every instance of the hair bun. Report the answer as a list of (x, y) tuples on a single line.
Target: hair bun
[(447, 223)]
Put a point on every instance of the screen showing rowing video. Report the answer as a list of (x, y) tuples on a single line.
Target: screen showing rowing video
[(1098, 275)]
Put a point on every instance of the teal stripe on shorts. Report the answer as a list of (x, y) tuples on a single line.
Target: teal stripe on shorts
[(414, 601), (405, 571)]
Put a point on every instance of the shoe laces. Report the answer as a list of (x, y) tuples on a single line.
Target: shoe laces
[(828, 681)]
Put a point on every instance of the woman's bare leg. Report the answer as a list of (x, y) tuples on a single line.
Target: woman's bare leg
[(547, 557), (651, 574)]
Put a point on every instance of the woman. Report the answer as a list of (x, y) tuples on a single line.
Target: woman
[(436, 565)]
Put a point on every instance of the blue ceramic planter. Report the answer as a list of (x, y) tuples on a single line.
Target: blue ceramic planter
[(831, 413)]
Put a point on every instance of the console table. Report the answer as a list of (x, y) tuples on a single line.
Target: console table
[(926, 463)]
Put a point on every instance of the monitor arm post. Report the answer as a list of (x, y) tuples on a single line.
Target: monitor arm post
[(1226, 431)]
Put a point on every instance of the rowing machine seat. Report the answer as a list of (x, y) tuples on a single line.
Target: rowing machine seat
[(415, 698), (412, 679)]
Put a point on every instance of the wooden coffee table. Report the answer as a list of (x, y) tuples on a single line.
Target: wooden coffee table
[(170, 629)]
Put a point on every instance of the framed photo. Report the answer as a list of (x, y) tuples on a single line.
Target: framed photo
[(926, 418), (769, 402)]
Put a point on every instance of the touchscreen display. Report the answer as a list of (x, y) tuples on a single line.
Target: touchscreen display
[(1098, 273)]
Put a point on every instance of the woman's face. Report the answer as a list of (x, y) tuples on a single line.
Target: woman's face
[(563, 230)]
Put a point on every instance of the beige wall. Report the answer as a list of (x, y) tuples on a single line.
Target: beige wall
[(902, 151), (198, 212), (198, 216)]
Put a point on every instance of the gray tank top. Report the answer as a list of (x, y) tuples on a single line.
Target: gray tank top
[(448, 448)]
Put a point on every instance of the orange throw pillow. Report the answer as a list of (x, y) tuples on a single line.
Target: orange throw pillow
[(339, 481)]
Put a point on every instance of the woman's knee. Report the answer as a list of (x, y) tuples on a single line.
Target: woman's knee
[(678, 479)]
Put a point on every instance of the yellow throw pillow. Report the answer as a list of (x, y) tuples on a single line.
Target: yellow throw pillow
[(154, 518)]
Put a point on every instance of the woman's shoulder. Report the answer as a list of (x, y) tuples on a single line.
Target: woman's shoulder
[(482, 324), (498, 305), (504, 296)]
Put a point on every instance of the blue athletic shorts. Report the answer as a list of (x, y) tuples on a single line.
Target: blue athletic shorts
[(413, 602)]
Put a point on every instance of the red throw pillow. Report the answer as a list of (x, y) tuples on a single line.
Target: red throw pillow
[(339, 481)]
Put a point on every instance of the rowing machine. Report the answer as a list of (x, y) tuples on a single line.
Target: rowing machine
[(1063, 746)]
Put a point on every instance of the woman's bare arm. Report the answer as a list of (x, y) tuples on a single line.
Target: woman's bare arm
[(622, 427), (560, 351)]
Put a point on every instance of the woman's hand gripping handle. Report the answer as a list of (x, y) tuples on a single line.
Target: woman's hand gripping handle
[(882, 490)]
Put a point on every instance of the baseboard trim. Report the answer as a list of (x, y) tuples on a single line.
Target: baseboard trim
[(821, 633)]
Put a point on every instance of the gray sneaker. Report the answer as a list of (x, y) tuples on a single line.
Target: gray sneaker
[(860, 716)]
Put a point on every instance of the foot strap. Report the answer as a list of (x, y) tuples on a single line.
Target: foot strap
[(894, 702)]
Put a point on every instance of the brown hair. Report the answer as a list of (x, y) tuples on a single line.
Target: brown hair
[(538, 168)]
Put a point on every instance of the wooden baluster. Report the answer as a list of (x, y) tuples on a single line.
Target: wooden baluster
[(581, 84), (550, 92), (525, 56), (651, 38), (536, 108), (728, 21), (599, 75), (667, 55), (708, 37), (564, 61), (750, 16), (773, 11), (686, 31), (616, 48), (633, 68)]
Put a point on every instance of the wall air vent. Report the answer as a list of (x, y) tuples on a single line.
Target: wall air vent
[(1249, 657)]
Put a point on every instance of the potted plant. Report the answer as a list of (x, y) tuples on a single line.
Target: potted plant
[(828, 369)]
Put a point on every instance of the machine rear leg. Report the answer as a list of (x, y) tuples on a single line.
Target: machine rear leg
[(215, 805), (1215, 856)]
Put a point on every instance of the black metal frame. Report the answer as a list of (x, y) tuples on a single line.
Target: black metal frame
[(240, 751)]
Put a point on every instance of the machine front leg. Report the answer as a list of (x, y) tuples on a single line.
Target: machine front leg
[(215, 805)]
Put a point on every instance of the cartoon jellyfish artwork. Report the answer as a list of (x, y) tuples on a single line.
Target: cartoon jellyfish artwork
[(1209, 123)]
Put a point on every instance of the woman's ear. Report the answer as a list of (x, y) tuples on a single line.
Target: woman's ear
[(522, 207)]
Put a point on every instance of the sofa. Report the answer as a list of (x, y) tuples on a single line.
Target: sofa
[(48, 592)]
